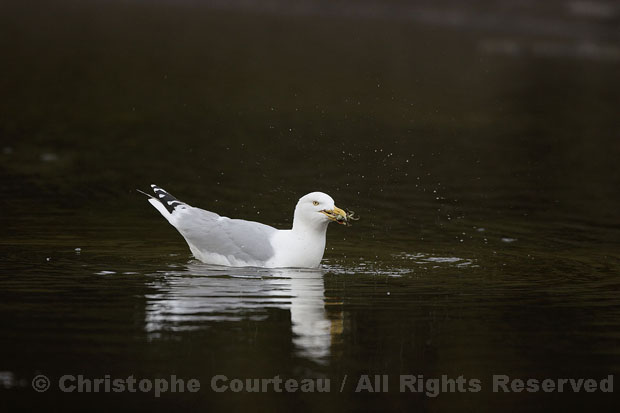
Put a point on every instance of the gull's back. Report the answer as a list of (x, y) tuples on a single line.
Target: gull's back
[(215, 239)]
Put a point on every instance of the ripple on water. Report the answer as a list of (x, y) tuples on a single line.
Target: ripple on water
[(403, 264), (365, 268)]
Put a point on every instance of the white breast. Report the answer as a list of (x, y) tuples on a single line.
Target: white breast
[(297, 248)]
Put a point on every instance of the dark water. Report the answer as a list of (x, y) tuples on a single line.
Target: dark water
[(482, 158)]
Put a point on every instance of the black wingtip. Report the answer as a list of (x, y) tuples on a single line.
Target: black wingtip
[(167, 200)]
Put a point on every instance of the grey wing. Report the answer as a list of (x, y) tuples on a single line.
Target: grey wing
[(208, 231)]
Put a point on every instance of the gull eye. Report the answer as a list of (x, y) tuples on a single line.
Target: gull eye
[(315, 203)]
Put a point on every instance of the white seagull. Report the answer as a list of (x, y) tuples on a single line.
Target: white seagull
[(214, 239)]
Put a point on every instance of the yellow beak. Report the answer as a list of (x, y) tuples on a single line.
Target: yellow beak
[(338, 215)]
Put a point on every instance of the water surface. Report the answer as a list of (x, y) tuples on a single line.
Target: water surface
[(485, 175)]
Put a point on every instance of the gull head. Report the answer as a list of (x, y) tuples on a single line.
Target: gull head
[(317, 209)]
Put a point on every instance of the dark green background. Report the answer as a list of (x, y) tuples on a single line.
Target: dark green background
[(478, 141)]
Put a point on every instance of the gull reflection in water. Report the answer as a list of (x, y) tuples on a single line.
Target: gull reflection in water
[(193, 297)]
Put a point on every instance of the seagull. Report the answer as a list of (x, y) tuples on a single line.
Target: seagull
[(219, 240)]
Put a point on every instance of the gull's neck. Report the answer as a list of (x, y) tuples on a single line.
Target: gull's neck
[(301, 246), (308, 227)]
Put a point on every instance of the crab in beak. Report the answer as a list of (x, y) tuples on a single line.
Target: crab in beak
[(339, 215)]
